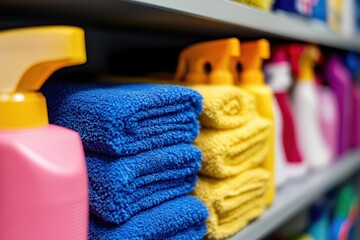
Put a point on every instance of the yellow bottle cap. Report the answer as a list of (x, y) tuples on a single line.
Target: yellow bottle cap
[(208, 62), (28, 57), (307, 61), (251, 60)]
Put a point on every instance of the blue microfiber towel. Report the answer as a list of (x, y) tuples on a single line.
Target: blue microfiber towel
[(120, 187), (125, 119), (182, 218)]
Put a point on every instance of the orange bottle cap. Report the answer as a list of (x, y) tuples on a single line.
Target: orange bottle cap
[(308, 60), (251, 60), (208, 62)]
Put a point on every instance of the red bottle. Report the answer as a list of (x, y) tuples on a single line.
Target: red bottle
[(279, 77)]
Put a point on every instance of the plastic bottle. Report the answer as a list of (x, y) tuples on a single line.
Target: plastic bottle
[(315, 10), (339, 79), (329, 116), (335, 14), (251, 78), (281, 175), (214, 62), (43, 178), (352, 62), (306, 108), (279, 78)]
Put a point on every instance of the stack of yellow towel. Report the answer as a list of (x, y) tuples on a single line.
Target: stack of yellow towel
[(233, 139)]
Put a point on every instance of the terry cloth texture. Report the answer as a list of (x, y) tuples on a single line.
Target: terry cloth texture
[(181, 219), (230, 152), (120, 187), (125, 119), (225, 106), (233, 202)]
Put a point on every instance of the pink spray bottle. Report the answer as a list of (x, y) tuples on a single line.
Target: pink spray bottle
[(279, 77), (339, 79), (328, 115), (43, 177)]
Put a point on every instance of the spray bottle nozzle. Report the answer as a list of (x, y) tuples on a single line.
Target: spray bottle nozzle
[(28, 57), (208, 62), (252, 55), (303, 59)]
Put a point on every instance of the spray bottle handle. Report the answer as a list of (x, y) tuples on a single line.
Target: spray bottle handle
[(308, 61), (208, 62), (252, 56), (29, 56), (294, 53)]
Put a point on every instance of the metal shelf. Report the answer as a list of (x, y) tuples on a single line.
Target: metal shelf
[(188, 19), (299, 194), (240, 17)]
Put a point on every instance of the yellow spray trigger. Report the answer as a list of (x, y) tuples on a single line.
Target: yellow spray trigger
[(307, 61), (208, 62), (28, 57), (251, 60)]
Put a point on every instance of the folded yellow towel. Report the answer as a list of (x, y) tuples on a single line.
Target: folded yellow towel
[(225, 106), (229, 152), (233, 202)]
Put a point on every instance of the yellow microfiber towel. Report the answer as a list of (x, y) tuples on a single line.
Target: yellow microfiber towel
[(225, 106), (229, 152), (233, 202)]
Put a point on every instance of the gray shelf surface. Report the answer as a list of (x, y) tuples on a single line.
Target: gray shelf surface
[(198, 20), (244, 19), (299, 194)]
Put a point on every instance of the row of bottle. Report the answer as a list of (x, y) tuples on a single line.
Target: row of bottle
[(323, 108), (312, 99)]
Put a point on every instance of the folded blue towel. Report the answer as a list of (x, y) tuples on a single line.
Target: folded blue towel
[(182, 218), (125, 119), (120, 187)]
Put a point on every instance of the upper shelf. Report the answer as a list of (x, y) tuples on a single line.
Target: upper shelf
[(200, 19), (239, 16)]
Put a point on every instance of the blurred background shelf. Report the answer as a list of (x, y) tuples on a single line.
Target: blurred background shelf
[(243, 18), (299, 194), (200, 19)]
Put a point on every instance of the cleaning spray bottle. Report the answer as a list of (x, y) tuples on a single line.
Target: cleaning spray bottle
[(328, 115), (352, 62), (281, 174), (43, 177), (251, 78), (211, 62), (218, 59), (279, 78), (306, 107), (339, 79)]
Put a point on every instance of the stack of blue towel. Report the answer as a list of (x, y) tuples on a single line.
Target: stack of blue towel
[(139, 157)]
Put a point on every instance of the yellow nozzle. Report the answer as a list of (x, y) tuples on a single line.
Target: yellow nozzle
[(28, 57), (251, 60), (208, 62), (307, 61)]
